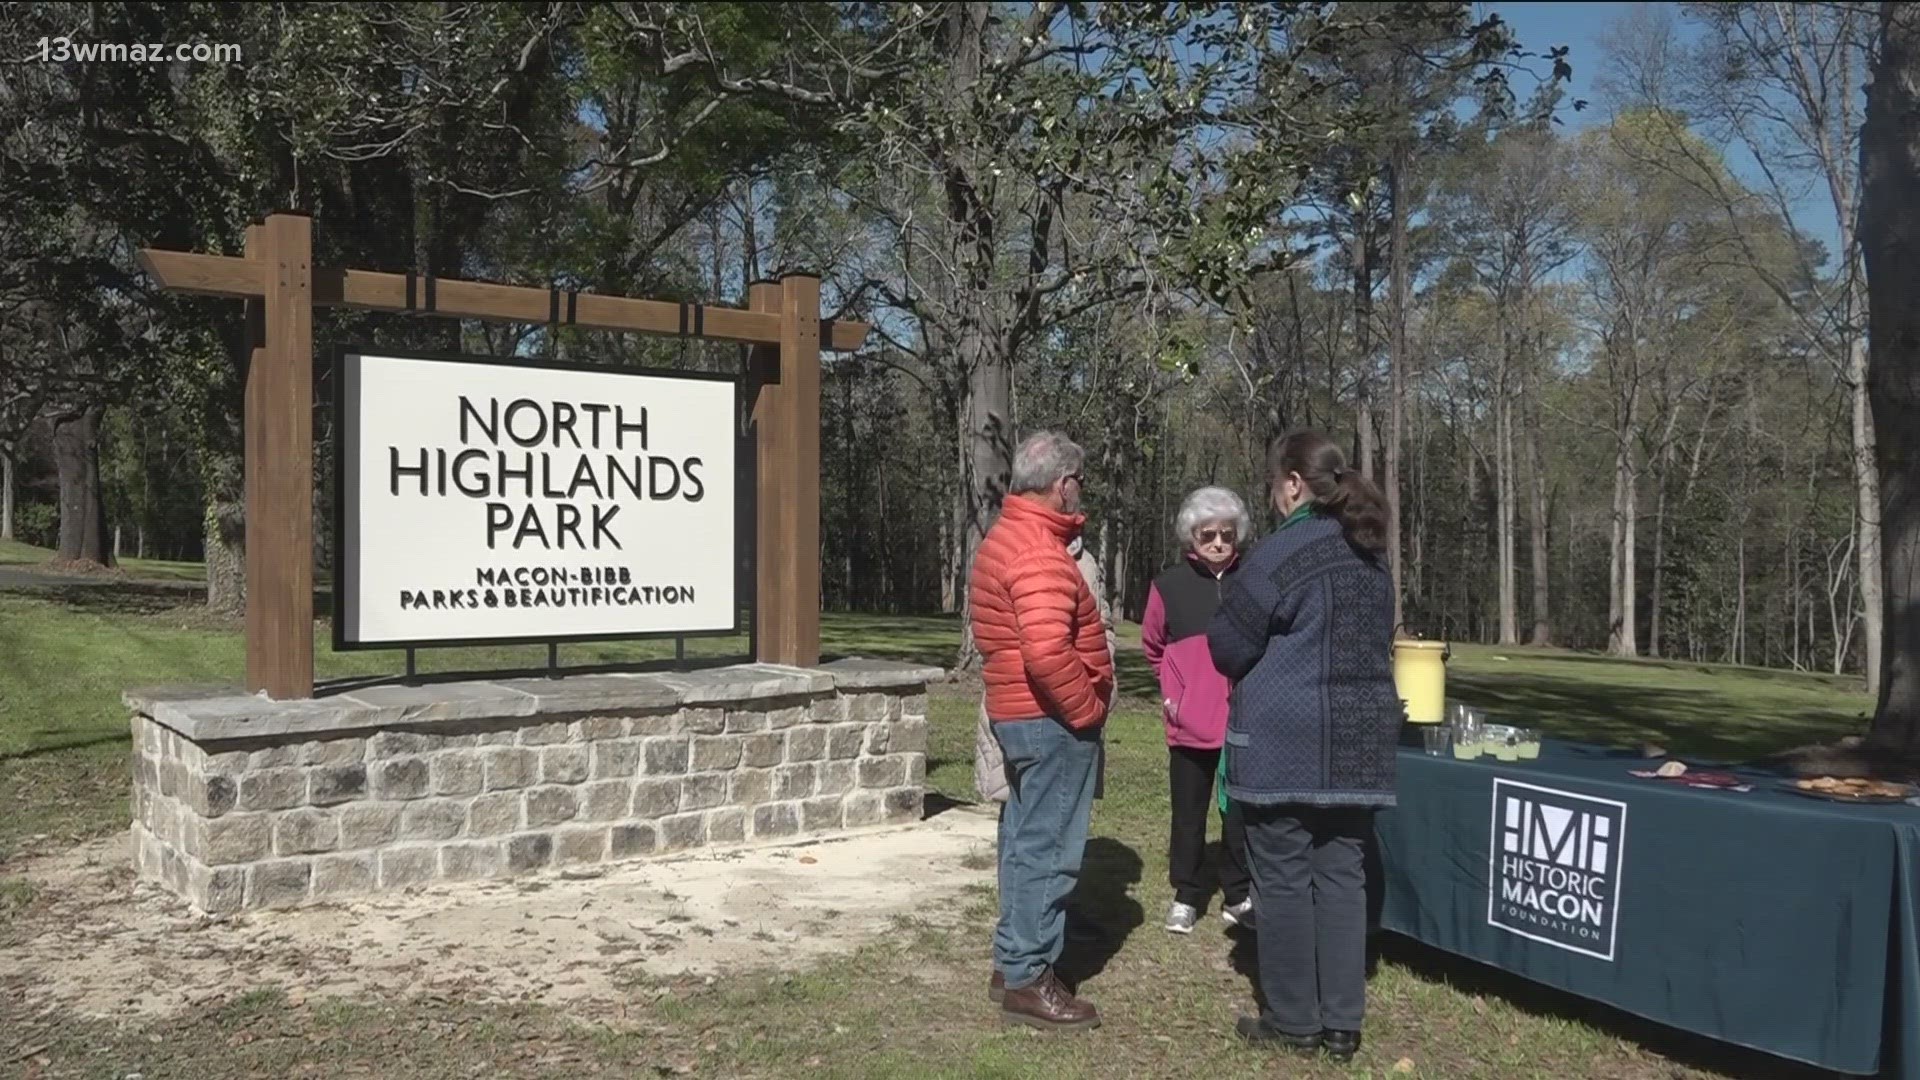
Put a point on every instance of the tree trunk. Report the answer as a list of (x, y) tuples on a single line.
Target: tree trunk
[(1542, 611), (1397, 389), (226, 558), (1867, 509), (1890, 231), (1621, 638), (1737, 643), (1363, 351), (6, 496), (1505, 563), (83, 512)]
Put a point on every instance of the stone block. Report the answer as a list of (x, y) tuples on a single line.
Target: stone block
[(344, 751), (500, 737), (433, 819), (284, 756), (883, 772), (580, 844), (494, 814), (666, 757), (343, 875), (228, 762), (828, 710), (602, 728), (703, 721), (727, 825), (807, 743), (913, 706), (795, 781), (369, 825), (845, 741), (305, 832), (400, 778), (856, 673), (746, 722), (818, 815), (714, 752), (565, 764), (867, 708), (271, 789), (551, 806), (617, 760), (415, 864), (211, 795), (878, 737), (331, 785), (653, 725), (279, 883), (506, 768), (902, 805), (893, 707), (656, 798), (907, 736), (456, 772), (217, 890), (546, 734), (865, 808), (236, 838), (772, 820), (916, 770), (750, 787), (631, 840), (683, 831), (392, 744), (438, 703), (761, 751), (605, 800), (473, 860), (838, 777), (782, 719), (529, 851), (703, 791)]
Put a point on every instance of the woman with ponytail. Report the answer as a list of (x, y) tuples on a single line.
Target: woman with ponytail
[(1305, 633)]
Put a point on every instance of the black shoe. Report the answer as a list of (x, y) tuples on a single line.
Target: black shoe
[(1258, 1030), (1341, 1045)]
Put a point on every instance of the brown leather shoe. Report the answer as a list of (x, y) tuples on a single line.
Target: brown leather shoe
[(997, 988), (1048, 1006)]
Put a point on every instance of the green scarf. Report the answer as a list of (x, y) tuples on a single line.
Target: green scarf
[(1300, 513)]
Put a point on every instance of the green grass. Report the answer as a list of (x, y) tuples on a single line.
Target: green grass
[(910, 1005), (14, 553)]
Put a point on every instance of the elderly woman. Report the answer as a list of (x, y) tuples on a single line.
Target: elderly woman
[(1211, 525), (1305, 631)]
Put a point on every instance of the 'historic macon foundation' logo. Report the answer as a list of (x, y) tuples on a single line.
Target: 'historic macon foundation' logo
[(1554, 873)]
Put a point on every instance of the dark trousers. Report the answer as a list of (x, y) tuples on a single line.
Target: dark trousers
[(1190, 775), (1312, 925)]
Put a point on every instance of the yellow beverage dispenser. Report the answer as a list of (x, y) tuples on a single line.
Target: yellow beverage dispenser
[(1420, 675)]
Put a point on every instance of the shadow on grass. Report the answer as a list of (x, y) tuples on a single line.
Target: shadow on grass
[(1726, 719), (1468, 977), (1101, 915), (50, 749), (110, 597)]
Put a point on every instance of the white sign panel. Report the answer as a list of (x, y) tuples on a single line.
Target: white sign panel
[(500, 500), (1554, 867)]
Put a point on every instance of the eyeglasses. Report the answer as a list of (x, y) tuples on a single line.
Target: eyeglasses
[(1208, 536)]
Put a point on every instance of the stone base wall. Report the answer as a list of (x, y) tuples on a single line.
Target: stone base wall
[(244, 803)]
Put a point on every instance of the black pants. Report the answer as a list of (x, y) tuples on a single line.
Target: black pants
[(1190, 782), (1312, 924)]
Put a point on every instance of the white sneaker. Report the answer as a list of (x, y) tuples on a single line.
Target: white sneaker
[(1181, 918), (1240, 914)]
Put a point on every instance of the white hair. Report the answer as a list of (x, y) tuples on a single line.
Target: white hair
[(1213, 504), (1042, 460)]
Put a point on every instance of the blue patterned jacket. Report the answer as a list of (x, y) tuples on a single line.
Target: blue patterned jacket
[(1305, 632)]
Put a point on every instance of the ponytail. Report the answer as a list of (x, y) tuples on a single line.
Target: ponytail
[(1338, 490)]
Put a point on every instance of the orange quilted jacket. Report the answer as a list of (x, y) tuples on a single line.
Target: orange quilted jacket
[(1035, 621)]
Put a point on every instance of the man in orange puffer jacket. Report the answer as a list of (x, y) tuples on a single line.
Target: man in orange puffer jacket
[(1048, 676)]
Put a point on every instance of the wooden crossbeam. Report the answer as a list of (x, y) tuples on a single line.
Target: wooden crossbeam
[(372, 290)]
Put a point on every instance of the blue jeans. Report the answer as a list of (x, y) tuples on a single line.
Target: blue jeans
[(1043, 834)]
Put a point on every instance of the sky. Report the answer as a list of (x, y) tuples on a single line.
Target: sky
[(1583, 28)]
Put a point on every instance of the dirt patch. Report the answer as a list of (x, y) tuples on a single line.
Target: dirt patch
[(90, 940)]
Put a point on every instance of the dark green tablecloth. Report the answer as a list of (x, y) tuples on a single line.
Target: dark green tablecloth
[(1761, 918)]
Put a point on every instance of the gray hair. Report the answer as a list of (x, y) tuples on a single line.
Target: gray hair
[(1213, 504), (1043, 460)]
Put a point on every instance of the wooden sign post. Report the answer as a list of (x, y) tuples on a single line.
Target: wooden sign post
[(280, 285)]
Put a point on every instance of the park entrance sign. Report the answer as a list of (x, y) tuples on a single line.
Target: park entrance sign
[(783, 335), (497, 500)]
